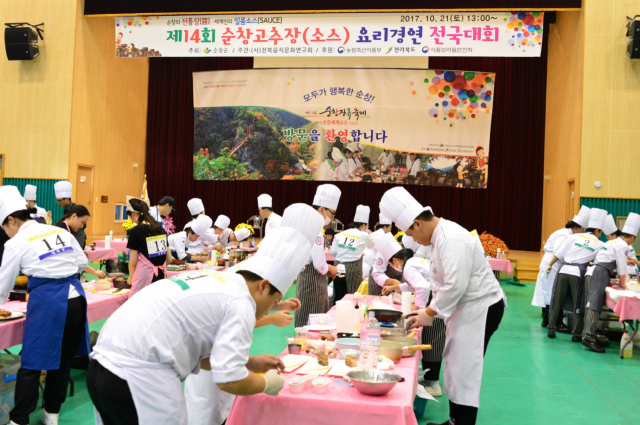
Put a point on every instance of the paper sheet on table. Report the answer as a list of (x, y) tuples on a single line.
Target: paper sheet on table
[(115, 291), (293, 361), (340, 368), (312, 367), (617, 293)]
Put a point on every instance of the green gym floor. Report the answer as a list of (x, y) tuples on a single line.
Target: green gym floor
[(528, 379)]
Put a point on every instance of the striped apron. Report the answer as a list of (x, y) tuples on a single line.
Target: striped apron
[(375, 289), (353, 274), (436, 335), (312, 289)]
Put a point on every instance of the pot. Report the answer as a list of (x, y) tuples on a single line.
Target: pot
[(392, 316), (405, 341), (394, 350)]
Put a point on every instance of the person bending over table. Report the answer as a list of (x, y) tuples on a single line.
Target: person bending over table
[(178, 242), (56, 327)]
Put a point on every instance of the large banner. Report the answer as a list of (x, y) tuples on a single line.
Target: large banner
[(424, 127), (517, 34)]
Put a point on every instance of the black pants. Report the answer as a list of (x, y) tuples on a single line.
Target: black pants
[(55, 390), (339, 288), (433, 374), (111, 396), (466, 415)]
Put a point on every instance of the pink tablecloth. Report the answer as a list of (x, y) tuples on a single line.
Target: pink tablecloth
[(102, 254), (341, 404), (500, 265), (627, 308), (120, 246), (98, 307)]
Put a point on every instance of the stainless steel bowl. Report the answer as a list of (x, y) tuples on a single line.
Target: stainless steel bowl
[(367, 383)]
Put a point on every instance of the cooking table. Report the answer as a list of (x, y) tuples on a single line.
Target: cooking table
[(99, 307), (628, 309), (100, 254), (341, 404), (119, 246)]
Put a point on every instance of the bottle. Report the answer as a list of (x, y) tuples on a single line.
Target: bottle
[(498, 254), (253, 243), (369, 343), (626, 342)]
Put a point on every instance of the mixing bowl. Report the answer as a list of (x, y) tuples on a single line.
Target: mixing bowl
[(367, 383)]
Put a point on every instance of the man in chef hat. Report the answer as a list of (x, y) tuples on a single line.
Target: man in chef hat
[(30, 197), (312, 284), (199, 319), (465, 294), (328, 170), (63, 198), (577, 251), (368, 257), (265, 209), (180, 243)]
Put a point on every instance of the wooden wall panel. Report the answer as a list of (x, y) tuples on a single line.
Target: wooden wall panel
[(109, 119), (611, 128), (564, 117), (35, 100)]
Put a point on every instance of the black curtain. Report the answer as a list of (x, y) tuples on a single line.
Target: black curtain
[(510, 208)]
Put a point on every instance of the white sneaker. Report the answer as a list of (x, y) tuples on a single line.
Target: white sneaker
[(49, 418), (434, 391)]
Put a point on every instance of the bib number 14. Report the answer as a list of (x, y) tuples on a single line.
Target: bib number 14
[(52, 243)]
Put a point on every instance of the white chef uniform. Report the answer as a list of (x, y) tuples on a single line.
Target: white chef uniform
[(413, 166), (615, 250), (387, 158), (580, 248), (273, 221), (326, 170), (343, 169), (206, 403), (417, 277), (179, 242), (464, 288), (631, 227), (30, 195), (349, 245), (369, 254), (632, 269)]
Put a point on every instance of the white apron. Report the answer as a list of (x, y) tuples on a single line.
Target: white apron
[(206, 403), (463, 355), (156, 390), (544, 283)]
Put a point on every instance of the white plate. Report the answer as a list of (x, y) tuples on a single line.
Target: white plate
[(318, 328), (292, 362), (340, 369), (14, 315)]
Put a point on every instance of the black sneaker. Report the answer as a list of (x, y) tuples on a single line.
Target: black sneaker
[(551, 333), (592, 345), (562, 328), (576, 338), (602, 341)]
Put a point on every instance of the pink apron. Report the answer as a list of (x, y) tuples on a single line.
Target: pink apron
[(144, 274)]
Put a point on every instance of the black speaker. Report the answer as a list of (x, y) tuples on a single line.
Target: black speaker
[(20, 44), (633, 47), (633, 29)]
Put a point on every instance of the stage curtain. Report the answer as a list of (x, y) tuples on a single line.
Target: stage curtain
[(510, 208)]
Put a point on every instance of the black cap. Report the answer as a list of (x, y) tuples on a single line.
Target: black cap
[(168, 200)]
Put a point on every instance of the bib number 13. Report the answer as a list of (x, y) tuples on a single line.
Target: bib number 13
[(157, 246)]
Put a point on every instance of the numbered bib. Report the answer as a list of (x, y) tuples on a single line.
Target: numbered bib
[(51, 243), (157, 246), (348, 241)]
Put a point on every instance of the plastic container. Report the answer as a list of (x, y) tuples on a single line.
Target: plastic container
[(626, 342), (297, 384), (320, 385), (369, 343), (419, 407), (300, 337), (8, 373)]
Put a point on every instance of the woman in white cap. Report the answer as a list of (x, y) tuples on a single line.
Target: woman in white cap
[(148, 246), (576, 252), (544, 283), (368, 257), (466, 295), (381, 273), (613, 255), (347, 248), (179, 242), (137, 368), (265, 209), (56, 327), (63, 198), (416, 275), (413, 164), (328, 170), (312, 285), (385, 159), (30, 197)]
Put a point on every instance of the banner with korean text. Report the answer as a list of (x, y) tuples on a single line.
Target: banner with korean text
[(428, 127), (517, 34)]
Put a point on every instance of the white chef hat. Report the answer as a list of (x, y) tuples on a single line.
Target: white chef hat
[(195, 206), (201, 224), (362, 214), (30, 192), (409, 242), (582, 218), (62, 189), (632, 224), (10, 201), (265, 201), (130, 208), (286, 249), (352, 147), (222, 222), (609, 227), (384, 220), (401, 207), (387, 246), (327, 196), (596, 218), (242, 234), (336, 155)]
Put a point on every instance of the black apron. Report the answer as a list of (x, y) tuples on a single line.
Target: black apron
[(600, 279)]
